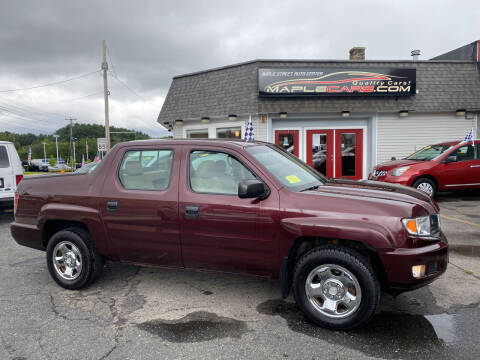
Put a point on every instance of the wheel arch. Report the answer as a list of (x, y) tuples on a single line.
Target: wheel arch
[(427, 176), (52, 226), (54, 217), (304, 244)]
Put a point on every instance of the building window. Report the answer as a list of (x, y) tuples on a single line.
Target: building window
[(229, 133), (197, 134)]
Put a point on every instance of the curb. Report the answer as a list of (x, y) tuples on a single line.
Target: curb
[(467, 250)]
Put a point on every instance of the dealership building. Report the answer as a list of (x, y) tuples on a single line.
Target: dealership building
[(341, 116)]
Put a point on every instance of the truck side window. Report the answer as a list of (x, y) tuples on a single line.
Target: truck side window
[(216, 173), (146, 169)]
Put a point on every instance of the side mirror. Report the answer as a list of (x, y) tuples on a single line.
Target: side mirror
[(393, 158), (449, 159), (248, 189)]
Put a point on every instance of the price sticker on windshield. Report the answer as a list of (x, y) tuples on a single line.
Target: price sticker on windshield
[(292, 179)]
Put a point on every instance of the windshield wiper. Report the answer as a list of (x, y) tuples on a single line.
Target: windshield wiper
[(311, 188)]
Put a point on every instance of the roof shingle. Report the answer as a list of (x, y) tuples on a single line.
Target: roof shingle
[(441, 86)]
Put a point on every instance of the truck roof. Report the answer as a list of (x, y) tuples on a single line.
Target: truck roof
[(227, 142)]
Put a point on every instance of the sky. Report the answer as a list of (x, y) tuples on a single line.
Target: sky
[(149, 42)]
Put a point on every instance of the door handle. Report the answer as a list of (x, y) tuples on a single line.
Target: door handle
[(112, 205), (191, 212), (474, 166)]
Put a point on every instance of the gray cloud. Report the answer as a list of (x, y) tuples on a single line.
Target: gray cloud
[(151, 41)]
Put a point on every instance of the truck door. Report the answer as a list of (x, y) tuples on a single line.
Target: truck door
[(219, 230), (139, 205)]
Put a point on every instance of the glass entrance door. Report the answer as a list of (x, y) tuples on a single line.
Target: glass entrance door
[(336, 153), (320, 151), (288, 140), (348, 153)]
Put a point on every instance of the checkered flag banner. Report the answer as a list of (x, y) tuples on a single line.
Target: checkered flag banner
[(249, 134), (469, 136)]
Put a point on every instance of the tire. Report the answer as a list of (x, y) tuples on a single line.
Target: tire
[(335, 274), (79, 264), (426, 185)]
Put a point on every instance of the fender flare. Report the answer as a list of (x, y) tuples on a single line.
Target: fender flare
[(370, 234), (87, 216)]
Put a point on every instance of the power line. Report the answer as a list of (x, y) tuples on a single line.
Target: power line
[(27, 118), (111, 62), (115, 76), (85, 96), (139, 118), (134, 92), (50, 84), (22, 114)]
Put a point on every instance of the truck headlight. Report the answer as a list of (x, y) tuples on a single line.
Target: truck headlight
[(399, 171), (423, 225)]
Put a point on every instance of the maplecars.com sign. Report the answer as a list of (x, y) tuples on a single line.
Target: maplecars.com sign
[(336, 82)]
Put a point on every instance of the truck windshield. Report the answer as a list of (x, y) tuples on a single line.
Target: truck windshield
[(429, 152), (290, 171)]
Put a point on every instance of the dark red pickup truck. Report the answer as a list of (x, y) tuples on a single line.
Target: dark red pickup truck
[(236, 207)]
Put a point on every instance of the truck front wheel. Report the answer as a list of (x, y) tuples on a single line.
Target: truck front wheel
[(72, 259), (336, 288)]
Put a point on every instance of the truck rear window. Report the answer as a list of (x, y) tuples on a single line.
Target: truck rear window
[(146, 169), (4, 163)]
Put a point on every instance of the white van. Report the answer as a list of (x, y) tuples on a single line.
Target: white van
[(11, 172)]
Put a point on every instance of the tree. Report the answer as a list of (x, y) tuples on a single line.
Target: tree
[(82, 132), (52, 161)]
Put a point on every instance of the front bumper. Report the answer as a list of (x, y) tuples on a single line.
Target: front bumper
[(7, 201), (398, 264), (401, 180)]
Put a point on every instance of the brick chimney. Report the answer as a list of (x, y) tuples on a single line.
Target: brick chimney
[(357, 53)]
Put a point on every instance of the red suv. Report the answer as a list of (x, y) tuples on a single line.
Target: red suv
[(446, 166)]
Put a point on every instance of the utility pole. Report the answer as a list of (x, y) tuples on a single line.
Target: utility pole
[(74, 156), (56, 144), (86, 147), (44, 152), (105, 94), (71, 136)]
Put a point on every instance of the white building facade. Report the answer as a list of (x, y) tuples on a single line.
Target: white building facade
[(341, 117)]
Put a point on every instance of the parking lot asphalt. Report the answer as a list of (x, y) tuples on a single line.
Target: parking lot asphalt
[(151, 313)]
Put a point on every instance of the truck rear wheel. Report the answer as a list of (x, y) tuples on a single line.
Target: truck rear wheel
[(336, 288), (72, 259)]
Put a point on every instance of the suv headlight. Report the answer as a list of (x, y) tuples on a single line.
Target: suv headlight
[(399, 171), (423, 225)]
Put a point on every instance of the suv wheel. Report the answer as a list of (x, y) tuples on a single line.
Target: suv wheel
[(336, 288), (72, 260), (426, 185)]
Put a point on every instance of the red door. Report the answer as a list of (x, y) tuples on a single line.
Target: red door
[(320, 151), (462, 173), (348, 153), (288, 140)]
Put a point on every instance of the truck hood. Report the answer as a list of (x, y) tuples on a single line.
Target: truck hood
[(378, 190)]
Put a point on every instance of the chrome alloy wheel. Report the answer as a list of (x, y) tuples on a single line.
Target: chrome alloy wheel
[(333, 291), (67, 260), (426, 188)]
